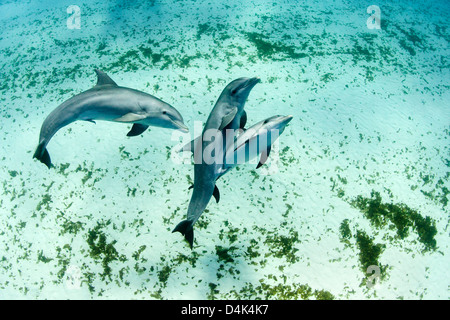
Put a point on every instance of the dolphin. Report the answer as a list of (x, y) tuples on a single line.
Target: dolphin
[(227, 114), (107, 101), (255, 141), (229, 105)]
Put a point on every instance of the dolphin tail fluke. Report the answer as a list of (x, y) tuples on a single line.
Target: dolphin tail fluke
[(186, 228), (42, 155)]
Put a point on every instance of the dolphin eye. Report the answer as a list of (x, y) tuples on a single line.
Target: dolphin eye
[(164, 112)]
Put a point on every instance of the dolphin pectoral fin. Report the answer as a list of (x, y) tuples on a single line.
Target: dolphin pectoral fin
[(130, 117), (228, 118), (264, 156), (243, 120), (103, 78), (216, 194), (137, 129), (187, 230), (42, 155)]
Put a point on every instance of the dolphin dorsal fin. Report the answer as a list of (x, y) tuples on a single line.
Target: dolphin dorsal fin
[(103, 78)]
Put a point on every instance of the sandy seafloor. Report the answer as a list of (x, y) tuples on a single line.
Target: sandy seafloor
[(371, 118)]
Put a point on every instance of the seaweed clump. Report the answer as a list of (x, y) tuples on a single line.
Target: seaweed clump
[(400, 216), (101, 250), (345, 232), (283, 292), (267, 49), (281, 246), (369, 252)]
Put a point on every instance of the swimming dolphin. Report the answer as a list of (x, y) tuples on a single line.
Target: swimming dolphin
[(107, 101), (227, 114), (229, 105), (255, 141)]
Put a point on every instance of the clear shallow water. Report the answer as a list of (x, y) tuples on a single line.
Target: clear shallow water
[(362, 174)]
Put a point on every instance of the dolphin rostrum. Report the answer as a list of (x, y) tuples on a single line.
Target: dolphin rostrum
[(228, 114), (107, 101)]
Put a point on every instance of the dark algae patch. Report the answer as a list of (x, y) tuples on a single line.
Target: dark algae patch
[(101, 250), (44, 203), (384, 216), (345, 231), (282, 246), (223, 254), (43, 258), (283, 291), (266, 48), (226, 259), (164, 274), (69, 226), (369, 252), (398, 216)]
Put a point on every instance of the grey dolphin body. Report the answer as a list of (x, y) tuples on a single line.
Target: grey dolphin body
[(228, 114), (255, 141), (107, 101)]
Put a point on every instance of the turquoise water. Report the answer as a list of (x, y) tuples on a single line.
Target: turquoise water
[(354, 205)]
